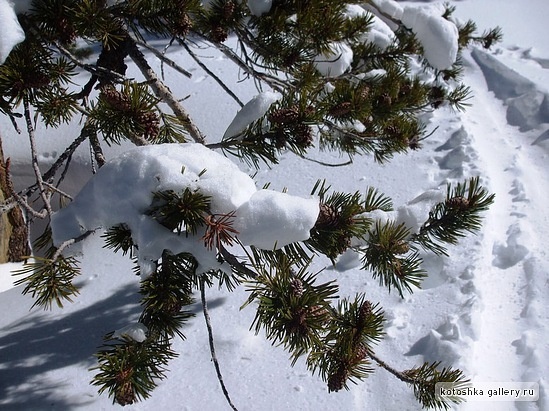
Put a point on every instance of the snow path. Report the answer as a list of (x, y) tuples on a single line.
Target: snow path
[(507, 277)]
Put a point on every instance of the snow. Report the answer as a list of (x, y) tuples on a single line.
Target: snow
[(136, 332), (12, 34), (123, 189), (437, 35), (390, 8), (272, 220), (253, 110), (259, 7), (483, 309), (336, 61)]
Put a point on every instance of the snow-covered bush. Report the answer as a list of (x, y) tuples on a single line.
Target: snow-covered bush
[(332, 74)]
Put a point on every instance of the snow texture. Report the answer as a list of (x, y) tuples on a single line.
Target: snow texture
[(335, 62), (253, 110), (259, 7), (380, 34), (12, 34), (437, 35), (272, 220)]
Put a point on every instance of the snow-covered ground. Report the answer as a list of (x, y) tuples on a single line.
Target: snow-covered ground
[(484, 309)]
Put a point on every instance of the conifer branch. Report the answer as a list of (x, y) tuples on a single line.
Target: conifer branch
[(164, 93)]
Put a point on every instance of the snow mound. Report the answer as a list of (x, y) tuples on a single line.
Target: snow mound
[(123, 190), (335, 62)]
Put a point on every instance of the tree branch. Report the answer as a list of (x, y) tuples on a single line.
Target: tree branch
[(163, 92), (212, 346)]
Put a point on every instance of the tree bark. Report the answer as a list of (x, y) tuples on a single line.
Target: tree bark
[(14, 240)]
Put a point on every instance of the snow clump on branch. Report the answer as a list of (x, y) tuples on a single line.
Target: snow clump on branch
[(437, 35), (122, 191), (12, 34)]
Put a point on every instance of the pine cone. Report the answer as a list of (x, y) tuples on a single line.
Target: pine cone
[(458, 203), (364, 93), (328, 217), (115, 98), (401, 247), (296, 287), (219, 34), (366, 310), (228, 10), (183, 26), (284, 115), (341, 109), (360, 353), (336, 380), (125, 393), (150, 123), (303, 135)]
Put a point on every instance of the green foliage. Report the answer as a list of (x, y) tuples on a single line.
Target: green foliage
[(424, 380), (49, 280), (292, 309), (388, 256), (129, 370), (459, 214), (181, 212)]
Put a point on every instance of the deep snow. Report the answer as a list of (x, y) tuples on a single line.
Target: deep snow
[(484, 309)]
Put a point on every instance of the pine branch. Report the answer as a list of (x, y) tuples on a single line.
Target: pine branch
[(164, 93), (452, 219)]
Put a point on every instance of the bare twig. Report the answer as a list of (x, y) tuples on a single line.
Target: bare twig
[(97, 150), (70, 242), (162, 57), (92, 68), (163, 92), (274, 82), (401, 376), (212, 346), (34, 157), (234, 262), (211, 73)]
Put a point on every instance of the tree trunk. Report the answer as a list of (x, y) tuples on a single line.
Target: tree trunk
[(14, 240)]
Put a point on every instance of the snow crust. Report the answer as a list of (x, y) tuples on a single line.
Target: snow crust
[(11, 33), (253, 110), (437, 35)]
